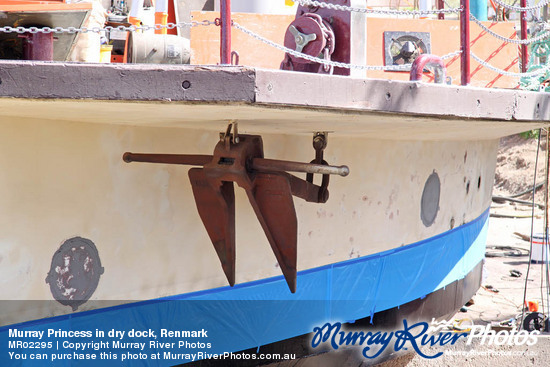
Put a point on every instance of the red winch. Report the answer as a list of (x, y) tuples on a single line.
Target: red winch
[(312, 35), (325, 34)]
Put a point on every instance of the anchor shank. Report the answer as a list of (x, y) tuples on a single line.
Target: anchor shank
[(275, 165), (184, 159), (305, 190)]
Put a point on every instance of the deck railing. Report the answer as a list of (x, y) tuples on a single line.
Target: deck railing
[(465, 42), (464, 16), (225, 32), (226, 24)]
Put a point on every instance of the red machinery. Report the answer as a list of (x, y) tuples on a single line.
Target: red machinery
[(323, 33), (38, 45)]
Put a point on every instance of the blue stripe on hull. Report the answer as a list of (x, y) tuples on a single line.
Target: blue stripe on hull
[(262, 312)]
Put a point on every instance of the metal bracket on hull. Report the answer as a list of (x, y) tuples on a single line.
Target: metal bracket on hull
[(269, 187)]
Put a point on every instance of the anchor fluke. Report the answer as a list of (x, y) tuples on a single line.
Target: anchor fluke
[(216, 207), (269, 188), (272, 201)]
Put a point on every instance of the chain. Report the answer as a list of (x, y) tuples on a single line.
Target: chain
[(527, 8), (375, 11), (293, 52), (21, 30), (538, 38), (507, 73), (452, 54), (328, 62)]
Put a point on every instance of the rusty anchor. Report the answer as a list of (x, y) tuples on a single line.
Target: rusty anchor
[(269, 187)]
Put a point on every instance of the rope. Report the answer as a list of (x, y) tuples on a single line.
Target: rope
[(375, 11)]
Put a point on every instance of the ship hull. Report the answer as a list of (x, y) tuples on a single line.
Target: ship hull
[(409, 221), (374, 246), (374, 292)]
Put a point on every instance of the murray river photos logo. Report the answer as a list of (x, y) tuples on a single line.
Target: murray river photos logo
[(374, 343)]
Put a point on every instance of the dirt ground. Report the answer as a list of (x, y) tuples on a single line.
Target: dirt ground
[(516, 166)]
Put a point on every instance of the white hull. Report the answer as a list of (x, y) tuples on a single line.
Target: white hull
[(63, 179)]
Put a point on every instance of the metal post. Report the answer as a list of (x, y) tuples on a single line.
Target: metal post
[(524, 48), (465, 42), (357, 39), (225, 32), (37, 46), (440, 6)]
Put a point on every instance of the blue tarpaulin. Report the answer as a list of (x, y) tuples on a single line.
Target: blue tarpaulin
[(252, 314)]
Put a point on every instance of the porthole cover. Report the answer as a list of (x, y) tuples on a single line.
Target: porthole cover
[(429, 205), (74, 272)]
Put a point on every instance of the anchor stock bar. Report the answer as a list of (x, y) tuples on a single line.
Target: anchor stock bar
[(184, 159), (259, 164), (262, 164)]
